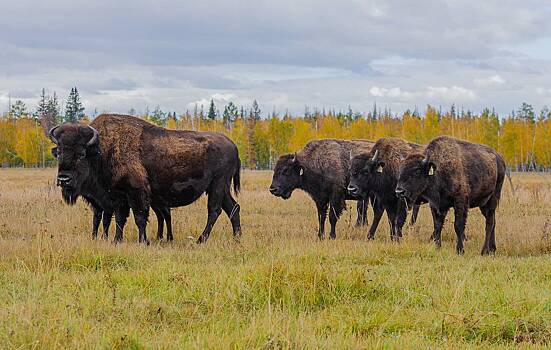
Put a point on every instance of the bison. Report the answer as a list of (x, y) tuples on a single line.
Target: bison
[(122, 161), (321, 170), (376, 172), (459, 174)]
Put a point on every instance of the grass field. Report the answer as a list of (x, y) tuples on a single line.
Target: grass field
[(279, 287)]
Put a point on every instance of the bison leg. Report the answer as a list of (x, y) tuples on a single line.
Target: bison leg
[(121, 215), (140, 218), (232, 209), (107, 215), (401, 215), (489, 242), (160, 222), (414, 214), (459, 226), (391, 215), (438, 219), (361, 207), (378, 211), (322, 215), (168, 221), (214, 208), (335, 210), (96, 221)]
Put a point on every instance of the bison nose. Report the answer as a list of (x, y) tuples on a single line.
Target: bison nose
[(400, 192), (274, 190), (353, 190), (64, 179)]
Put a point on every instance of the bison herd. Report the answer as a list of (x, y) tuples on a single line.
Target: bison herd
[(120, 162)]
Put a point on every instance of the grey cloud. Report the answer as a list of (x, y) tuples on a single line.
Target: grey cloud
[(124, 53)]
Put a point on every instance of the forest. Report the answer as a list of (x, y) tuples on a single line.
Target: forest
[(523, 137)]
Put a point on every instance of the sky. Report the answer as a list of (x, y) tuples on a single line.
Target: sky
[(286, 54)]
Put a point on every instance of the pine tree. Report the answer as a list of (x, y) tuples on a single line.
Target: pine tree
[(47, 111), (211, 115), (18, 109), (74, 111), (230, 114), (158, 116), (255, 112), (42, 104)]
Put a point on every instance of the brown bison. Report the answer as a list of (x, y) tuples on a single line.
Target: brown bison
[(459, 174), (122, 161), (321, 170), (376, 172)]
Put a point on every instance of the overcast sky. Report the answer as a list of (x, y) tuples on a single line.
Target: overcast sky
[(286, 54)]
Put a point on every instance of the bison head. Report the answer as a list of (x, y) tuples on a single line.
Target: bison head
[(76, 146), (365, 171), (414, 178), (287, 176)]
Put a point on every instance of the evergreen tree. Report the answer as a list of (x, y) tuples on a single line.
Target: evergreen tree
[(255, 112), (74, 110), (211, 115), (47, 111), (526, 112), (230, 114), (42, 104), (18, 109), (158, 116)]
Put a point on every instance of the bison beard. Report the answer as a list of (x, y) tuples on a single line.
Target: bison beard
[(456, 174), (141, 166), (321, 170)]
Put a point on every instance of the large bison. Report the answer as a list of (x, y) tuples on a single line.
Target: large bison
[(321, 170), (459, 174), (376, 172), (122, 161)]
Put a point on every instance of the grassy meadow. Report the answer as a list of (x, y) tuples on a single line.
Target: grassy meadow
[(278, 287)]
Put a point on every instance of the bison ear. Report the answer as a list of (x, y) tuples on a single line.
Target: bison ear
[(54, 152)]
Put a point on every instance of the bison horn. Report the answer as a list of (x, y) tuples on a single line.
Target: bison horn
[(94, 138), (426, 159), (51, 135), (294, 160), (375, 156)]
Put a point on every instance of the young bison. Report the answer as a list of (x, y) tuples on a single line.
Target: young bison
[(459, 174), (321, 169), (377, 172)]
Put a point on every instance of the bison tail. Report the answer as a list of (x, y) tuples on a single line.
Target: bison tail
[(237, 178)]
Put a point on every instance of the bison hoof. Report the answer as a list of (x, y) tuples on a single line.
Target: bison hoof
[(201, 240)]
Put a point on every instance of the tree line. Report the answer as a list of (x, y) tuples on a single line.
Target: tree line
[(523, 137)]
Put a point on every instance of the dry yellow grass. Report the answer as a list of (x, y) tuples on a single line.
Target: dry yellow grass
[(279, 287)]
